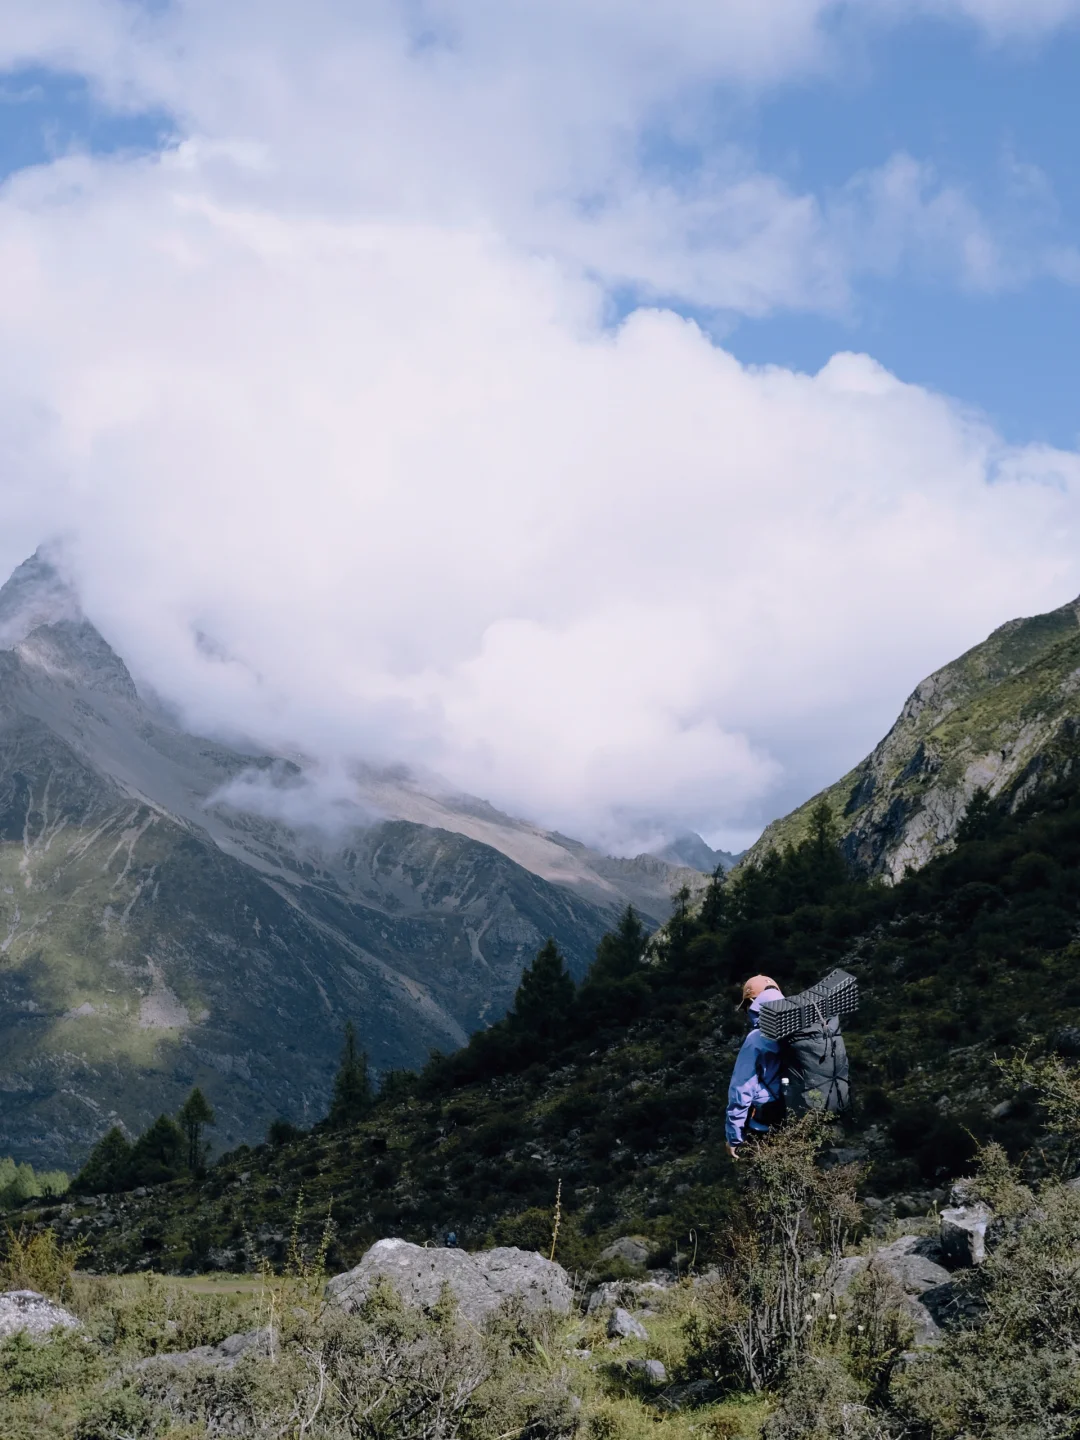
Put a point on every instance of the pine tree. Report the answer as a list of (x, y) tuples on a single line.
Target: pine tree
[(353, 1093), (615, 988), (195, 1114), (159, 1154), (107, 1165), (545, 996), (714, 907), (621, 950)]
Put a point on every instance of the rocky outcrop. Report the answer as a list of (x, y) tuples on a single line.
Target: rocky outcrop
[(925, 1283), (1004, 718), (963, 1234), (33, 1314), (479, 1283)]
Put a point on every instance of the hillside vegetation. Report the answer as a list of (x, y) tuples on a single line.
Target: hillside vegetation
[(1003, 717), (617, 1087)]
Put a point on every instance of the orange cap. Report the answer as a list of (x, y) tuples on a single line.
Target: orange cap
[(755, 986)]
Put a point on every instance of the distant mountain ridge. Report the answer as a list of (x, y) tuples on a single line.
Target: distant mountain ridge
[(1004, 718), (153, 937)]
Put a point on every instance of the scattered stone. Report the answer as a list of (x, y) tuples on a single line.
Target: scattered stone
[(694, 1392), (630, 1294), (479, 1283), (963, 1234), (622, 1326), (35, 1314), (652, 1370), (223, 1355), (632, 1248)]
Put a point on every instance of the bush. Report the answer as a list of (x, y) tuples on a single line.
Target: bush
[(37, 1260), (756, 1320)]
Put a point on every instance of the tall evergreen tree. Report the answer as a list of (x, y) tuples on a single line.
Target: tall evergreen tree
[(545, 996), (615, 988), (353, 1093), (195, 1115), (107, 1165), (159, 1154), (622, 950)]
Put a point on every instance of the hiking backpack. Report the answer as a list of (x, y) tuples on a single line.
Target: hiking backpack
[(813, 1057)]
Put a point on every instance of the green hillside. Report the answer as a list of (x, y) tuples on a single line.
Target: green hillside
[(618, 1089), (1003, 717)]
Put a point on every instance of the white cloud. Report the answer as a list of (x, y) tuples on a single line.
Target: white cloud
[(330, 384), (438, 512)]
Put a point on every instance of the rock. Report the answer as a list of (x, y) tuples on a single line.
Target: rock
[(29, 1311), (631, 1294), (652, 1370), (963, 1234), (610, 1293), (621, 1325), (480, 1282), (694, 1392), (224, 1355), (918, 1275), (631, 1248)]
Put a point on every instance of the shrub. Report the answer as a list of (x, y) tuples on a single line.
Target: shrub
[(37, 1260), (756, 1319)]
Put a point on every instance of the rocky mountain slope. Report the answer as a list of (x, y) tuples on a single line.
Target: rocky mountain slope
[(1004, 717), (155, 934)]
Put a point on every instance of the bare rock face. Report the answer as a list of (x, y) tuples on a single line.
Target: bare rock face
[(28, 1311), (1002, 718), (963, 1234), (479, 1283)]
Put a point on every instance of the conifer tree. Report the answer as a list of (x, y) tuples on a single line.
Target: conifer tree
[(159, 1154), (195, 1115), (107, 1165), (545, 995), (615, 988), (353, 1094), (621, 950)]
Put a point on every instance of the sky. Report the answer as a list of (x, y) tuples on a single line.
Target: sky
[(613, 408)]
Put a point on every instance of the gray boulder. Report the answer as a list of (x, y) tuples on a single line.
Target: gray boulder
[(37, 1316), (631, 1248), (963, 1234), (621, 1325), (651, 1370), (224, 1355), (919, 1276), (479, 1283)]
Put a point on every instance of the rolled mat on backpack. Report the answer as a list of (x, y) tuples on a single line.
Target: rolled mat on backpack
[(813, 1055)]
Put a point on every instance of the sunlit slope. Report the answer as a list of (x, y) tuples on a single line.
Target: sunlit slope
[(1003, 717)]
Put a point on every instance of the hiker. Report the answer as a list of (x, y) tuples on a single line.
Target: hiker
[(756, 1092)]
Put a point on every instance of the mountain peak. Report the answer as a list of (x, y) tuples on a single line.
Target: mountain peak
[(35, 594)]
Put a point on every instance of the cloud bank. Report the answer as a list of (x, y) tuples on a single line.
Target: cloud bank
[(349, 451)]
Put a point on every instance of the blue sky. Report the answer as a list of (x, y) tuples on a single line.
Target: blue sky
[(489, 401), (977, 112)]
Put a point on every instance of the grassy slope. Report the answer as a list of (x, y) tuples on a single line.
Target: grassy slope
[(973, 957), (998, 716)]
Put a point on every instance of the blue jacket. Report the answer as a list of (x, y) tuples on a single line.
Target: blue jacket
[(755, 1080)]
